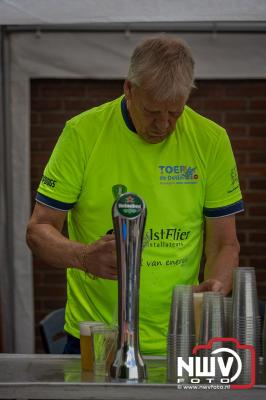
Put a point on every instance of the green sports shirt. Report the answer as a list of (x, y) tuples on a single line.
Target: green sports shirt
[(189, 176)]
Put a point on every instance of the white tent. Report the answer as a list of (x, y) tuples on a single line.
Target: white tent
[(93, 39)]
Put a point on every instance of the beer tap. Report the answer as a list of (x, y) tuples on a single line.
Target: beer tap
[(129, 215)]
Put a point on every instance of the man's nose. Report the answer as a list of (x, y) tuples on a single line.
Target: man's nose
[(163, 121)]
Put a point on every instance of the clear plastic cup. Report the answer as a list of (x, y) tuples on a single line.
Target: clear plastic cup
[(104, 340), (86, 344)]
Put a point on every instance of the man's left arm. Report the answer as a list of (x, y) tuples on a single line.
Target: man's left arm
[(222, 254)]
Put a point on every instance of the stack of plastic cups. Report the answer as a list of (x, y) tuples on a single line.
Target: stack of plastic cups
[(228, 317), (181, 331), (264, 348), (246, 320), (212, 326)]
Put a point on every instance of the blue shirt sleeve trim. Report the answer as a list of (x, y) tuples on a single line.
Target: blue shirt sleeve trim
[(223, 211), (58, 205)]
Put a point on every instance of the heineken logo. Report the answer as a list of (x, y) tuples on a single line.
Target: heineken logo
[(129, 205)]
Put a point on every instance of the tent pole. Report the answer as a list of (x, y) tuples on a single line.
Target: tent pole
[(6, 201)]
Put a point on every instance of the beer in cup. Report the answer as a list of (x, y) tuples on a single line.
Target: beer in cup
[(86, 344)]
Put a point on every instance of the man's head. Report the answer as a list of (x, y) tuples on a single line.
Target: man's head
[(159, 82)]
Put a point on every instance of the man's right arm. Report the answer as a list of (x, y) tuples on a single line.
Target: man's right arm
[(45, 239)]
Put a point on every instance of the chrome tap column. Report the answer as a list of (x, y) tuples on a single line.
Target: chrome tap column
[(129, 215)]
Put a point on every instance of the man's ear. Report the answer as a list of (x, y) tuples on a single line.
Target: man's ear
[(127, 89)]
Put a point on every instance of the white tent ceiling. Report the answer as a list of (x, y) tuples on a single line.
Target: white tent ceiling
[(24, 12)]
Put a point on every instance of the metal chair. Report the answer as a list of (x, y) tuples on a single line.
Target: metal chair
[(52, 332)]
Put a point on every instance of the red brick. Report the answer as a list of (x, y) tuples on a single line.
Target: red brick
[(34, 118), (258, 104), (237, 117), (34, 90), (196, 103), (49, 291), (74, 91), (255, 197), (249, 144), (43, 144), (39, 315), (40, 158), (259, 131), (257, 211), (258, 184), (258, 158), (247, 89), (243, 183), (252, 170), (55, 277), (38, 303), (253, 249), (45, 131), (258, 262), (225, 104), (242, 237), (46, 104), (209, 89), (38, 278), (257, 237), (251, 223), (55, 118), (53, 304), (261, 293), (215, 116), (243, 261), (48, 82), (77, 104), (241, 158), (236, 130)]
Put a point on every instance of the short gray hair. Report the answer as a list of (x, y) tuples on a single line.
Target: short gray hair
[(164, 66)]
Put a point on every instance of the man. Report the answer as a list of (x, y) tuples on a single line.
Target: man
[(148, 142)]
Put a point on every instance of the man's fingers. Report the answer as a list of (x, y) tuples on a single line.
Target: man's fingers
[(110, 275), (108, 238), (217, 287), (211, 285), (202, 287)]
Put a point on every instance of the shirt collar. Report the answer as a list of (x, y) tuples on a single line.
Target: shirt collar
[(126, 116)]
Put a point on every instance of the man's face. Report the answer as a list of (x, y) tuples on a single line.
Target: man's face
[(154, 120)]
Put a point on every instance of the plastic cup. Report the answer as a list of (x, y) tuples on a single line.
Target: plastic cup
[(86, 344), (212, 318), (104, 340), (197, 298)]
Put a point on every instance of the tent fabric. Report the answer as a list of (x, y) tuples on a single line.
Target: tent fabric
[(106, 55), (17, 12), (97, 55)]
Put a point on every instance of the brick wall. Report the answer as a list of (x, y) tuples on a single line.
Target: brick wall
[(239, 106)]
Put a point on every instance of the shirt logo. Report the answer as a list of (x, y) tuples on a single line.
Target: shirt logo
[(47, 181), (234, 180), (178, 174), (166, 237)]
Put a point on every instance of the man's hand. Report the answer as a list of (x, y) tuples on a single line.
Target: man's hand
[(210, 285), (45, 239), (222, 252), (99, 258)]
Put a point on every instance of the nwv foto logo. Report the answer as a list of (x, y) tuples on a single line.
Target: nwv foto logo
[(207, 368)]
